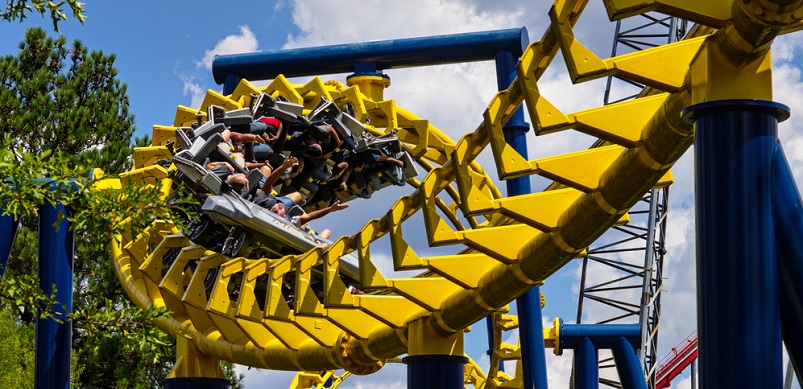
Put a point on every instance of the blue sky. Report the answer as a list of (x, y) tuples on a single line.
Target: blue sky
[(163, 50)]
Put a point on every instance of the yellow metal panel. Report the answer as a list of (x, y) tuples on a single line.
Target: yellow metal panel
[(336, 294), (619, 123), (185, 116), (355, 322), (306, 303), (580, 170), (145, 156), (394, 311), (540, 210), (242, 93), (461, 269), (313, 91), (426, 292), (353, 96), (161, 134), (509, 163), (281, 87), (215, 98), (502, 242)]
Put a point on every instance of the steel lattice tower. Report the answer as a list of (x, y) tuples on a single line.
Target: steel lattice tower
[(632, 254)]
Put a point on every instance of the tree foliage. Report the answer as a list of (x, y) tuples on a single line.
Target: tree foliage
[(19, 10), (62, 111)]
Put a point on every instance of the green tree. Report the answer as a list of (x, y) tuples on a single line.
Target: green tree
[(62, 111), (19, 10)]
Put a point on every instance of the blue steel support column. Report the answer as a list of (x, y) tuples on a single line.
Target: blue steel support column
[(53, 339), (8, 230), (788, 215), (586, 365), (628, 365), (436, 371), (738, 309), (533, 357), (230, 84)]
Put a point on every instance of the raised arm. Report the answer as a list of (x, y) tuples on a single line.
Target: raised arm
[(317, 214)]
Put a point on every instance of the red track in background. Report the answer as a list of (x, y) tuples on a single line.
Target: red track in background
[(676, 361)]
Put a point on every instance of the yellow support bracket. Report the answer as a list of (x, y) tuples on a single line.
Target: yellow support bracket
[(161, 134), (276, 309), (312, 92), (383, 114), (580, 170), (370, 277), (242, 93), (195, 294), (427, 292), (306, 303), (509, 163), (640, 66), (474, 200), (145, 156), (394, 311), (543, 114), (619, 123), (153, 175), (352, 95), (280, 86), (709, 13), (404, 257), (336, 293), (461, 269), (186, 116), (540, 210), (215, 98), (438, 231), (172, 283), (501, 242)]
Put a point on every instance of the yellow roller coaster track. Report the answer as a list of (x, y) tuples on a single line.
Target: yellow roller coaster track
[(516, 242)]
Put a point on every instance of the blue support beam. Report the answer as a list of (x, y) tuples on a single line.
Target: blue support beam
[(738, 298), (391, 54), (628, 365), (788, 215), (54, 338), (8, 230), (586, 365), (528, 305), (435, 371)]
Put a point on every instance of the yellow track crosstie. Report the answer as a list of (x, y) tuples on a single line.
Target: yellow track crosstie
[(514, 242)]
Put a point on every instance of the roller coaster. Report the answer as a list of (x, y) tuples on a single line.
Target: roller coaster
[(229, 303)]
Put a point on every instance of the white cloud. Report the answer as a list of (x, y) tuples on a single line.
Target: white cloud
[(245, 42), (192, 86)]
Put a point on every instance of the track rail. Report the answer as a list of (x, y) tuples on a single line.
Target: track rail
[(515, 242)]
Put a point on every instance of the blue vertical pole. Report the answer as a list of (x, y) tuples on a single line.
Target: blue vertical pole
[(738, 309), (586, 365), (54, 339), (528, 305), (8, 230), (230, 84), (788, 215)]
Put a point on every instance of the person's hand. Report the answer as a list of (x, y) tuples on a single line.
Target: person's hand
[(398, 162), (290, 162), (227, 165), (337, 206), (258, 139), (343, 185)]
